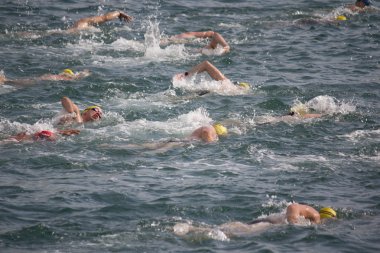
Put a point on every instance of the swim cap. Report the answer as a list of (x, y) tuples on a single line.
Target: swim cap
[(43, 135), (341, 18), (69, 72), (220, 129), (244, 85), (327, 212), (92, 107)]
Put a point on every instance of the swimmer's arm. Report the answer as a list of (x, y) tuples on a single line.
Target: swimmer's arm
[(311, 115), (70, 107), (314, 218), (292, 213), (192, 35), (20, 82), (218, 39), (18, 138), (209, 68), (96, 20), (69, 132)]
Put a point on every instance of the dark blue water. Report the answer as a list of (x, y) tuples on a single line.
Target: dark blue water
[(101, 191)]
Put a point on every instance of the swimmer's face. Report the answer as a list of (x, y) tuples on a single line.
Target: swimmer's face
[(93, 114)]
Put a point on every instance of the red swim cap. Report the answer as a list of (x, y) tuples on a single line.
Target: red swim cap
[(43, 135)]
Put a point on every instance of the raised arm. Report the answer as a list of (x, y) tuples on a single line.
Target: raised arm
[(96, 20), (70, 107), (218, 39), (201, 67)]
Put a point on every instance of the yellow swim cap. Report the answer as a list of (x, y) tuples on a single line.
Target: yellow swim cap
[(327, 212), (220, 129), (92, 107), (244, 85), (69, 72), (341, 18)]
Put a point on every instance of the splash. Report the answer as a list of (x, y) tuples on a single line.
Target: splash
[(332, 16), (147, 130), (323, 104), (183, 124), (201, 82), (330, 105), (11, 128), (219, 50), (153, 51)]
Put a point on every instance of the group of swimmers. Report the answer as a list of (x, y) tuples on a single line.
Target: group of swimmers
[(73, 115)]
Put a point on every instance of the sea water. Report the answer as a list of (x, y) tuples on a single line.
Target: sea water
[(104, 191)]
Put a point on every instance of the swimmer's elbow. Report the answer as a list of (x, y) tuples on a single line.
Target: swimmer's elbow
[(210, 34)]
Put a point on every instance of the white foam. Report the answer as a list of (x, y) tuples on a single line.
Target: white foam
[(12, 128), (360, 135), (122, 44), (154, 52), (202, 82), (219, 50), (329, 105), (147, 130)]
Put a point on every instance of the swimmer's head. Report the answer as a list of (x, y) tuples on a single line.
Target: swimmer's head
[(299, 109), (92, 113), (365, 2), (68, 72), (243, 85), (220, 129), (341, 18), (44, 135), (327, 212)]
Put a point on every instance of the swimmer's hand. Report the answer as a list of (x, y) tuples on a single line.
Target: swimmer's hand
[(82, 74), (69, 132), (125, 17), (226, 49)]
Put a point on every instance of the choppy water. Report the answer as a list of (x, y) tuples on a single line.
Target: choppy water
[(96, 192)]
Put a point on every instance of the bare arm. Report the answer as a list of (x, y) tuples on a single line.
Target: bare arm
[(294, 211), (96, 20), (70, 107), (17, 82), (69, 132), (209, 68), (216, 38), (191, 35), (311, 115)]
